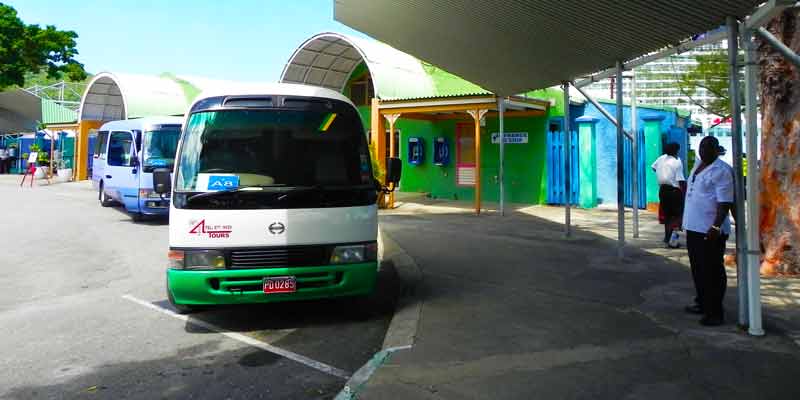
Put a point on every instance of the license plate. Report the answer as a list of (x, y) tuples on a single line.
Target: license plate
[(280, 284)]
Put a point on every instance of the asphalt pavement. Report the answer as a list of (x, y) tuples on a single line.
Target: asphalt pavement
[(511, 309), (83, 314)]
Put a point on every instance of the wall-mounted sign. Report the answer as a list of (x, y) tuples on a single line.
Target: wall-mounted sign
[(510, 137)]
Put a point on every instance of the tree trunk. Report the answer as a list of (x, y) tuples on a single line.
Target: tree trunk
[(780, 151)]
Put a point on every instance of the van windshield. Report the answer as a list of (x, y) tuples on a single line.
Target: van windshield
[(274, 149), (159, 148)]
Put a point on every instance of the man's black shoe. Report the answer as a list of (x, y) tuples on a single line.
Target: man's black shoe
[(712, 321), (694, 309)]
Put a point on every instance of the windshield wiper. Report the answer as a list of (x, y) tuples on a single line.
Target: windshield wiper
[(240, 189), (321, 188)]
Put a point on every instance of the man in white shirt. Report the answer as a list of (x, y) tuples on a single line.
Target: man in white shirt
[(709, 199), (672, 185)]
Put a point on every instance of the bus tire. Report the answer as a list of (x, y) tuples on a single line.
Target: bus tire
[(105, 201), (137, 217)]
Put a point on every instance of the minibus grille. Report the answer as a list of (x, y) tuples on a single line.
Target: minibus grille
[(277, 257)]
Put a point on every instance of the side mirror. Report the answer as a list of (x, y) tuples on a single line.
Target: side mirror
[(162, 180), (394, 168)]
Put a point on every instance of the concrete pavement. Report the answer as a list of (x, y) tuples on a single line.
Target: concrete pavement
[(512, 310), (68, 332)]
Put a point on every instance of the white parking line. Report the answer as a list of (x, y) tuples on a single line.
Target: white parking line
[(319, 366)]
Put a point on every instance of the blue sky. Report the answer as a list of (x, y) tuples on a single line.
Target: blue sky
[(242, 40)]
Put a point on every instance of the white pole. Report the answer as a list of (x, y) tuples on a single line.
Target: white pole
[(753, 239), (634, 157), (501, 111), (620, 168), (736, 136), (567, 156)]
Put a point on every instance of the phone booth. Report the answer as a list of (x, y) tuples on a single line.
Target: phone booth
[(416, 150), (441, 151)]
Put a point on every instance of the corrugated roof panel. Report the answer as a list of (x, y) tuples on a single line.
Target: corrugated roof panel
[(515, 46), (54, 113)]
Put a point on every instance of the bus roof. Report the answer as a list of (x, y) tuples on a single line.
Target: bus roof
[(140, 123), (279, 89)]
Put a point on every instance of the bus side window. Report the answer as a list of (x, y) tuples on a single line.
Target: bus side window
[(120, 149), (100, 145)]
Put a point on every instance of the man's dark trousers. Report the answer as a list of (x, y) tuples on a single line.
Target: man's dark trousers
[(708, 271)]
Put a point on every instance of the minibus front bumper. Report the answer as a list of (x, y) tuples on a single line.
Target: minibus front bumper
[(239, 286)]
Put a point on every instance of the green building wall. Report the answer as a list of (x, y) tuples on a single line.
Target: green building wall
[(525, 164)]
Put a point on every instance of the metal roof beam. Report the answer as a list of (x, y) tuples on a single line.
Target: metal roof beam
[(788, 53), (602, 110), (321, 69), (318, 52), (711, 37), (767, 11)]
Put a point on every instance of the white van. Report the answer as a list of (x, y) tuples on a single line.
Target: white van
[(273, 199), (125, 154)]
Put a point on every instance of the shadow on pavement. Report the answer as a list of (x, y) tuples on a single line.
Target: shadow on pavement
[(204, 371), (513, 309), (343, 332)]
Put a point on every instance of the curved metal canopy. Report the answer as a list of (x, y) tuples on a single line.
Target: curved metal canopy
[(113, 96), (328, 59), (511, 47)]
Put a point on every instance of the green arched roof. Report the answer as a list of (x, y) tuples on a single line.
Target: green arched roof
[(114, 96)]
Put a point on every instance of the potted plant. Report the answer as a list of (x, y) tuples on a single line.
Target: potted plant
[(380, 174), (42, 161)]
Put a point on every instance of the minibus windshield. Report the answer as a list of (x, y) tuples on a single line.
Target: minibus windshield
[(273, 148), (159, 148)]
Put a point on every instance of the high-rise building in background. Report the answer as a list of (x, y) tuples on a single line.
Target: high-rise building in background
[(657, 84)]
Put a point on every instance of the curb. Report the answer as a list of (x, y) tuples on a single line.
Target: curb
[(403, 328)]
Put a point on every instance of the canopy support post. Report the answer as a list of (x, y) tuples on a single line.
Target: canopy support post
[(738, 181), (567, 160), (753, 237), (620, 168), (477, 114), (634, 157), (392, 119), (501, 115)]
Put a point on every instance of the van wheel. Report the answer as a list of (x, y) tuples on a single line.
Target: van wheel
[(137, 217), (105, 201), (180, 308)]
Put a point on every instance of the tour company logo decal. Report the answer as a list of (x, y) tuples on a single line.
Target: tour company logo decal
[(277, 228), (213, 231)]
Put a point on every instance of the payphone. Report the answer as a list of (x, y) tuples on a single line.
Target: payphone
[(441, 151), (416, 150)]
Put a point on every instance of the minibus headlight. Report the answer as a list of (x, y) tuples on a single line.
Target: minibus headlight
[(354, 254), (204, 259)]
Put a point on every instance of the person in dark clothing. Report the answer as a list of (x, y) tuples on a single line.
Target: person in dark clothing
[(709, 199), (672, 185)]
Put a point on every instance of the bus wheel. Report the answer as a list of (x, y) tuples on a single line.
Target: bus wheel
[(104, 200), (137, 217), (180, 308)]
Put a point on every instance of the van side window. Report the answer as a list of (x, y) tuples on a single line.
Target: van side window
[(100, 144), (120, 149)]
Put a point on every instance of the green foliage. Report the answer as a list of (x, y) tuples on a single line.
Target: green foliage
[(42, 158), (711, 73), (30, 49), (377, 170)]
